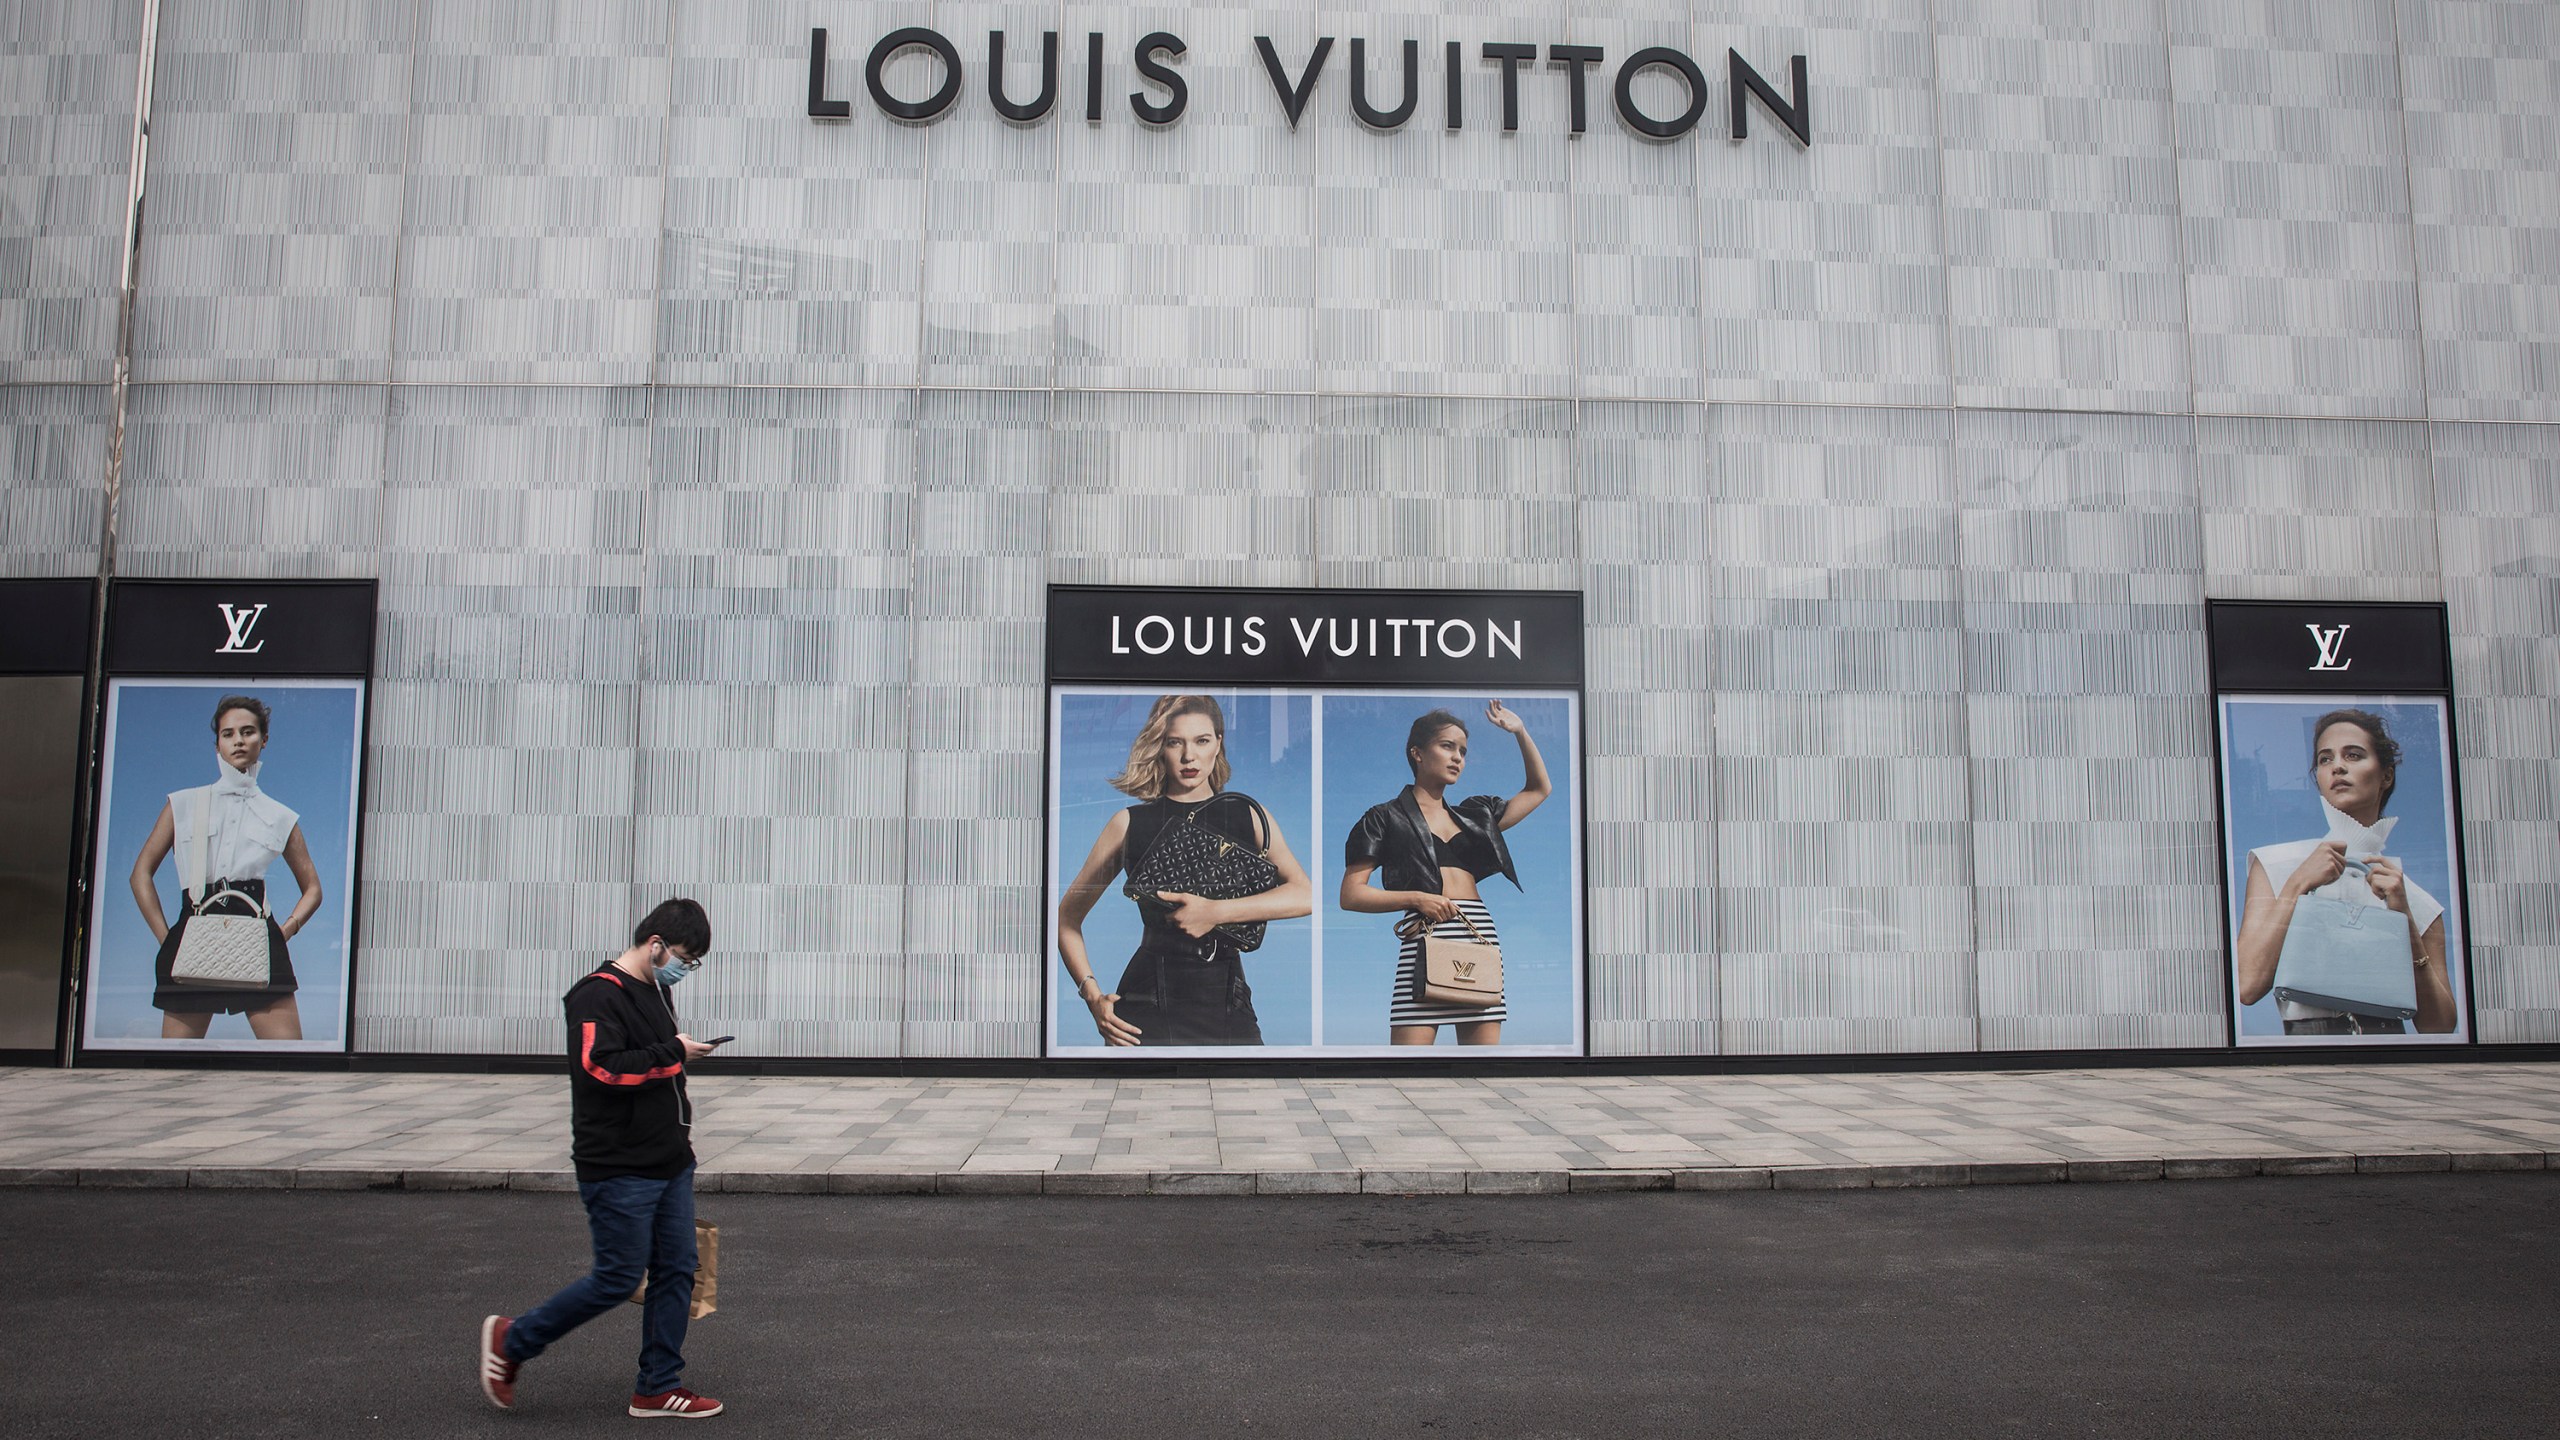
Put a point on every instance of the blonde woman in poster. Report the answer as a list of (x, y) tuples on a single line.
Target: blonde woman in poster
[(1185, 984), (243, 833), (1429, 853), (2355, 765)]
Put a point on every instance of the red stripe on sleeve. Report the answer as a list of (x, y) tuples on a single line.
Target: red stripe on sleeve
[(587, 1060)]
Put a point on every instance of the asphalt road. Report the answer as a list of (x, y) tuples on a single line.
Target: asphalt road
[(2332, 1307)]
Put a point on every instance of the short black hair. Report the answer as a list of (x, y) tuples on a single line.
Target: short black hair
[(679, 922), (250, 703), (1426, 730), (2385, 749)]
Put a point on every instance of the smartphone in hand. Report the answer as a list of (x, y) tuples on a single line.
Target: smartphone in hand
[(719, 1040)]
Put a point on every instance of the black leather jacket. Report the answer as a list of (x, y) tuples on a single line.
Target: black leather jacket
[(1394, 838)]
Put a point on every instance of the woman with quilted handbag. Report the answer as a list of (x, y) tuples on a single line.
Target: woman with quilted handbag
[(1208, 869), (226, 955), (1426, 854), (2309, 901)]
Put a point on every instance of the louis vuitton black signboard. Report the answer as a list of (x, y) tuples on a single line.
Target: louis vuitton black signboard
[(1317, 637), (2338, 648), (240, 627)]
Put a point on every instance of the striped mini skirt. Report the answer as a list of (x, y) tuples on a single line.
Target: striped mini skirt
[(1409, 1011)]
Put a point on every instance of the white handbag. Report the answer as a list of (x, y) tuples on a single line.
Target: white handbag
[(228, 951), (2341, 955)]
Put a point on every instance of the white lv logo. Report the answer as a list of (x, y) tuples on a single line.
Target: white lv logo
[(2328, 641), (237, 623)]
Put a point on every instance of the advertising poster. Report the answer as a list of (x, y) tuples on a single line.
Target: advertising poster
[(223, 913), (1325, 823), (2341, 828)]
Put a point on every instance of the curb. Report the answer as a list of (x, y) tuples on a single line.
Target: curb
[(1380, 1181)]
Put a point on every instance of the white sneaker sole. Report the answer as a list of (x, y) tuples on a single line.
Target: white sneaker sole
[(637, 1413), (489, 1338)]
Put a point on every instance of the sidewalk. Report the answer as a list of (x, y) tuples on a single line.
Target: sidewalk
[(236, 1129)]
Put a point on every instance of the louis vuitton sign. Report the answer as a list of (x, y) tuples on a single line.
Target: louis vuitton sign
[(1385, 88), (2342, 648), (240, 627)]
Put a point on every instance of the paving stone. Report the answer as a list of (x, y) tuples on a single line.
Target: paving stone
[(2500, 1160), (1730, 1177), (1413, 1182), (454, 1179), (879, 1182), (2085, 1172), (132, 1177), (1307, 1182), (1201, 1182), (319, 1179), (2019, 1172), (2307, 1165), (1094, 1182), (1517, 1182), (1821, 1177), (2205, 1167), (774, 1182), (240, 1177), (127, 1127), (2421, 1162), (1912, 1177), (988, 1182), (1586, 1182), (36, 1175)]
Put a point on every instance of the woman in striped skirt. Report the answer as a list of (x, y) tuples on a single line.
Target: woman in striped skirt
[(1424, 853)]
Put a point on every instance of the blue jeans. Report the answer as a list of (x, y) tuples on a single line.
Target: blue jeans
[(641, 1227)]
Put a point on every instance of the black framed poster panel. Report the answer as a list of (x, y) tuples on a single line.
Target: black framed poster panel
[(231, 772), (1246, 794), (2341, 824), (44, 663)]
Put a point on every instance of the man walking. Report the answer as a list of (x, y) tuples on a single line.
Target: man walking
[(629, 1129)]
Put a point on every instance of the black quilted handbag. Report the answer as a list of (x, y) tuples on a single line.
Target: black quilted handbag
[(1189, 858)]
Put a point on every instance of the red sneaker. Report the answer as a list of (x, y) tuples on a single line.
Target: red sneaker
[(497, 1372), (681, 1403)]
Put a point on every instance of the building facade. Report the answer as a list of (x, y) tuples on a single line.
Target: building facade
[(715, 461)]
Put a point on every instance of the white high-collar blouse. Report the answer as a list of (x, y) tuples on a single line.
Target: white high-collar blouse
[(245, 831)]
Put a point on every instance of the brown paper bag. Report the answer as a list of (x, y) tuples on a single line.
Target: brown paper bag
[(706, 1274)]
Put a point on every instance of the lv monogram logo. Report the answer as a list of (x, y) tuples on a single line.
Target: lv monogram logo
[(1466, 969), (237, 622), (2329, 640)]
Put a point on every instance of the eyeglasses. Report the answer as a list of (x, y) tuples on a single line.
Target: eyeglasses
[(687, 963)]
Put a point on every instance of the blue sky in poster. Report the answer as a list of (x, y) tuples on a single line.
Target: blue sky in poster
[(1364, 764), (2266, 747), (1270, 746), (162, 740)]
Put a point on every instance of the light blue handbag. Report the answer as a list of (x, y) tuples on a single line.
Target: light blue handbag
[(2339, 955)]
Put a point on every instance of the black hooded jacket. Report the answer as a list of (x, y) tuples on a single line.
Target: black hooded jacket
[(628, 1114)]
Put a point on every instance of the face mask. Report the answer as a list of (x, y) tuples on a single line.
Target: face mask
[(672, 971)]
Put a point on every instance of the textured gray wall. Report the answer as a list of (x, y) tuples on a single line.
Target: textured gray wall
[(714, 461)]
